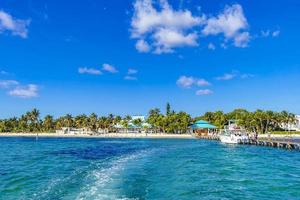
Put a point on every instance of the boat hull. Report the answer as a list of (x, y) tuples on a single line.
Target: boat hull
[(228, 139), (233, 139)]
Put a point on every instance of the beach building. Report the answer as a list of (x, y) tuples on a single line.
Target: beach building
[(74, 131), (140, 117), (292, 126), (203, 128), (133, 127)]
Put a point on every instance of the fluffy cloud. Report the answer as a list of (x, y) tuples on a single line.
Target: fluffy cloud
[(188, 82), (185, 82), (85, 70), (131, 75), (130, 78), (132, 71), (226, 77), (234, 74), (167, 39), (8, 83), (142, 46), (276, 33), (231, 23), (201, 82), (161, 28), (204, 92), (165, 28), (109, 68), (28, 91), (268, 33), (244, 76), (17, 27), (146, 18)]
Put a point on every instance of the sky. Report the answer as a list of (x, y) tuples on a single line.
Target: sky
[(125, 57)]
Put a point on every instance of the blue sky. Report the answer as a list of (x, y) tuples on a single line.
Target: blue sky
[(125, 57)]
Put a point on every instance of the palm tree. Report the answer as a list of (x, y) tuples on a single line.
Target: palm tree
[(68, 120), (48, 123), (33, 117), (125, 122), (93, 122)]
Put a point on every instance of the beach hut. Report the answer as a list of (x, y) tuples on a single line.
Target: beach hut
[(202, 128)]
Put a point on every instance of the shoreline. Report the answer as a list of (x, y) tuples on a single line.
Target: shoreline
[(108, 135), (132, 135)]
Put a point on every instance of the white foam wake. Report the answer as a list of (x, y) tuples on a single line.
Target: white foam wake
[(103, 179)]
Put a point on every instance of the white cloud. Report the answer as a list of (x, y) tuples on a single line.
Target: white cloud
[(85, 70), (130, 74), (204, 92), (234, 74), (242, 40), (17, 27), (268, 33), (165, 28), (28, 91), (265, 33), (8, 83), (159, 28), (168, 39), (188, 82), (109, 68), (201, 82), (226, 77), (276, 33), (244, 76), (130, 78), (231, 23), (132, 71), (142, 46), (185, 82)]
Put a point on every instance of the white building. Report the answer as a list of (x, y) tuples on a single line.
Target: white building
[(73, 131), (293, 126), (141, 117), (296, 126)]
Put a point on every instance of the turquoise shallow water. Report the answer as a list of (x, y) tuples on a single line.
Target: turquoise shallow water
[(58, 168)]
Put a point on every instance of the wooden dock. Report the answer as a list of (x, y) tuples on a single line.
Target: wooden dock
[(268, 142), (284, 144)]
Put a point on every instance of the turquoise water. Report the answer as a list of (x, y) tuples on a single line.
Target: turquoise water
[(65, 168)]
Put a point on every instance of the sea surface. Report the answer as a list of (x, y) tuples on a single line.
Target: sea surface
[(187, 169)]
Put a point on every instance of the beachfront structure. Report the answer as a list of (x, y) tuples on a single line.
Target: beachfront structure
[(202, 128), (74, 131), (132, 127), (292, 126), (141, 117)]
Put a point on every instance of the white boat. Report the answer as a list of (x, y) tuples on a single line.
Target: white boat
[(233, 137), (233, 134)]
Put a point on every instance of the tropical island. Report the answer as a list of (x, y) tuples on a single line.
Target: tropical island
[(168, 122)]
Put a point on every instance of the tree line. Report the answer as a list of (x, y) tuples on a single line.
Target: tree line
[(170, 121)]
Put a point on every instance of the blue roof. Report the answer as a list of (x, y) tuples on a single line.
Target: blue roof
[(201, 124)]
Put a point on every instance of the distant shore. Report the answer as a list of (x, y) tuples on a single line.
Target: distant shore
[(133, 135), (107, 135)]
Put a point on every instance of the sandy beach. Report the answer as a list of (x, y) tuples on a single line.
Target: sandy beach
[(108, 135)]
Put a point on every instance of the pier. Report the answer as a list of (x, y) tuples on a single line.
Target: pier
[(268, 142), (284, 144)]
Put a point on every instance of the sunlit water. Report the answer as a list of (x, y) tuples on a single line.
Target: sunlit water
[(57, 168)]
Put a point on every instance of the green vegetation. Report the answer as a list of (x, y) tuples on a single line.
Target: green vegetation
[(258, 121)]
